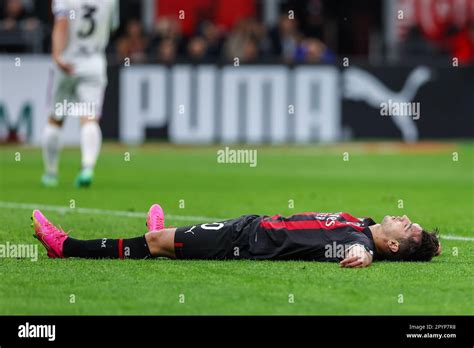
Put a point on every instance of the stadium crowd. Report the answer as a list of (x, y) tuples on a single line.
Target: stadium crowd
[(249, 40), (169, 41), (214, 31)]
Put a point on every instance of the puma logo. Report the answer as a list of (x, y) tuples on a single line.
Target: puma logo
[(190, 230)]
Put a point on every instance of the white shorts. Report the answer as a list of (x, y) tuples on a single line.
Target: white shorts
[(76, 95)]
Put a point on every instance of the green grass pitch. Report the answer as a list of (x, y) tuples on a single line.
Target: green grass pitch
[(436, 191)]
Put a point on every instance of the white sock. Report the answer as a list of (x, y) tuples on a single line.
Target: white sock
[(51, 148), (91, 140)]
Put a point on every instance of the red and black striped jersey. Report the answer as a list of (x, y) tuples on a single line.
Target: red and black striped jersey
[(309, 236)]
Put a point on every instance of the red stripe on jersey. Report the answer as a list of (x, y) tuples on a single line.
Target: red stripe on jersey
[(349, 217), (292, 225), (178, 245), (328, 224), (120, 247)]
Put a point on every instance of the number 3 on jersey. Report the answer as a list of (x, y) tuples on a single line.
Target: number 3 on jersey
[(89, 23)]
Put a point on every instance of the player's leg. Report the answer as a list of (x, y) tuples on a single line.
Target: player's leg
[(51, 148), (60, 245), (91, 142), (170, 242), (61, 90), (90, 92), (222, 240), (153, 244)]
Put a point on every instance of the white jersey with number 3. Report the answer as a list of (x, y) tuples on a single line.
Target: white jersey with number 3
[(90, 23)]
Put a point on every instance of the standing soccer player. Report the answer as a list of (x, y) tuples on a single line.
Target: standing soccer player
[(80, 36)]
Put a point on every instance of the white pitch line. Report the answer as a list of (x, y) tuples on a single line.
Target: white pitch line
[(121, 213), (63, 210), (451, 237)]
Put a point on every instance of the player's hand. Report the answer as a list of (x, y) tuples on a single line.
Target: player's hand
[(353, 262), (65, 67), (356, 257)]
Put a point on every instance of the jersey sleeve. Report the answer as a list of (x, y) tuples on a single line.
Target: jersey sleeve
[(60, 8), (357, 238)]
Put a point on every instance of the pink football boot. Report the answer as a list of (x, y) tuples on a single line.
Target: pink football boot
[(155, 219), (49, 235)]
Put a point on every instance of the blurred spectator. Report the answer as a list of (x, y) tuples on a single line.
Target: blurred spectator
[(197, 49), (167, 51), (14, 13), (132, 44), (166, 41), (250, 51), (19, 30), (285, 38), (17, 17), (246, 41), (312, 50), (168, 28), (214, 38)]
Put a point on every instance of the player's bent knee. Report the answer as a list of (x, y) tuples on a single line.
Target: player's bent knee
[(154, 240), (154, 236)]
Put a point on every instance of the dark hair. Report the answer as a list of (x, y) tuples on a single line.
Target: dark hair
[(411, 250)]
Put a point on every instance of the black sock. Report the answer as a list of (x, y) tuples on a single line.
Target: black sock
[(132, 248)]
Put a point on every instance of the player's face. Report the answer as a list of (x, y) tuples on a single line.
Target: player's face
[(401, 227)]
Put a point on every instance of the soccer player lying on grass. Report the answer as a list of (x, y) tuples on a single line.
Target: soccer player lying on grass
[(308, 236)]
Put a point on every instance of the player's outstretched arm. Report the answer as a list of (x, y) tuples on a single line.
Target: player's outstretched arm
[(356, 257), (59, 43)]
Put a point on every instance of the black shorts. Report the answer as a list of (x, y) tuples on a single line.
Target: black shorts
[(227, 239)]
